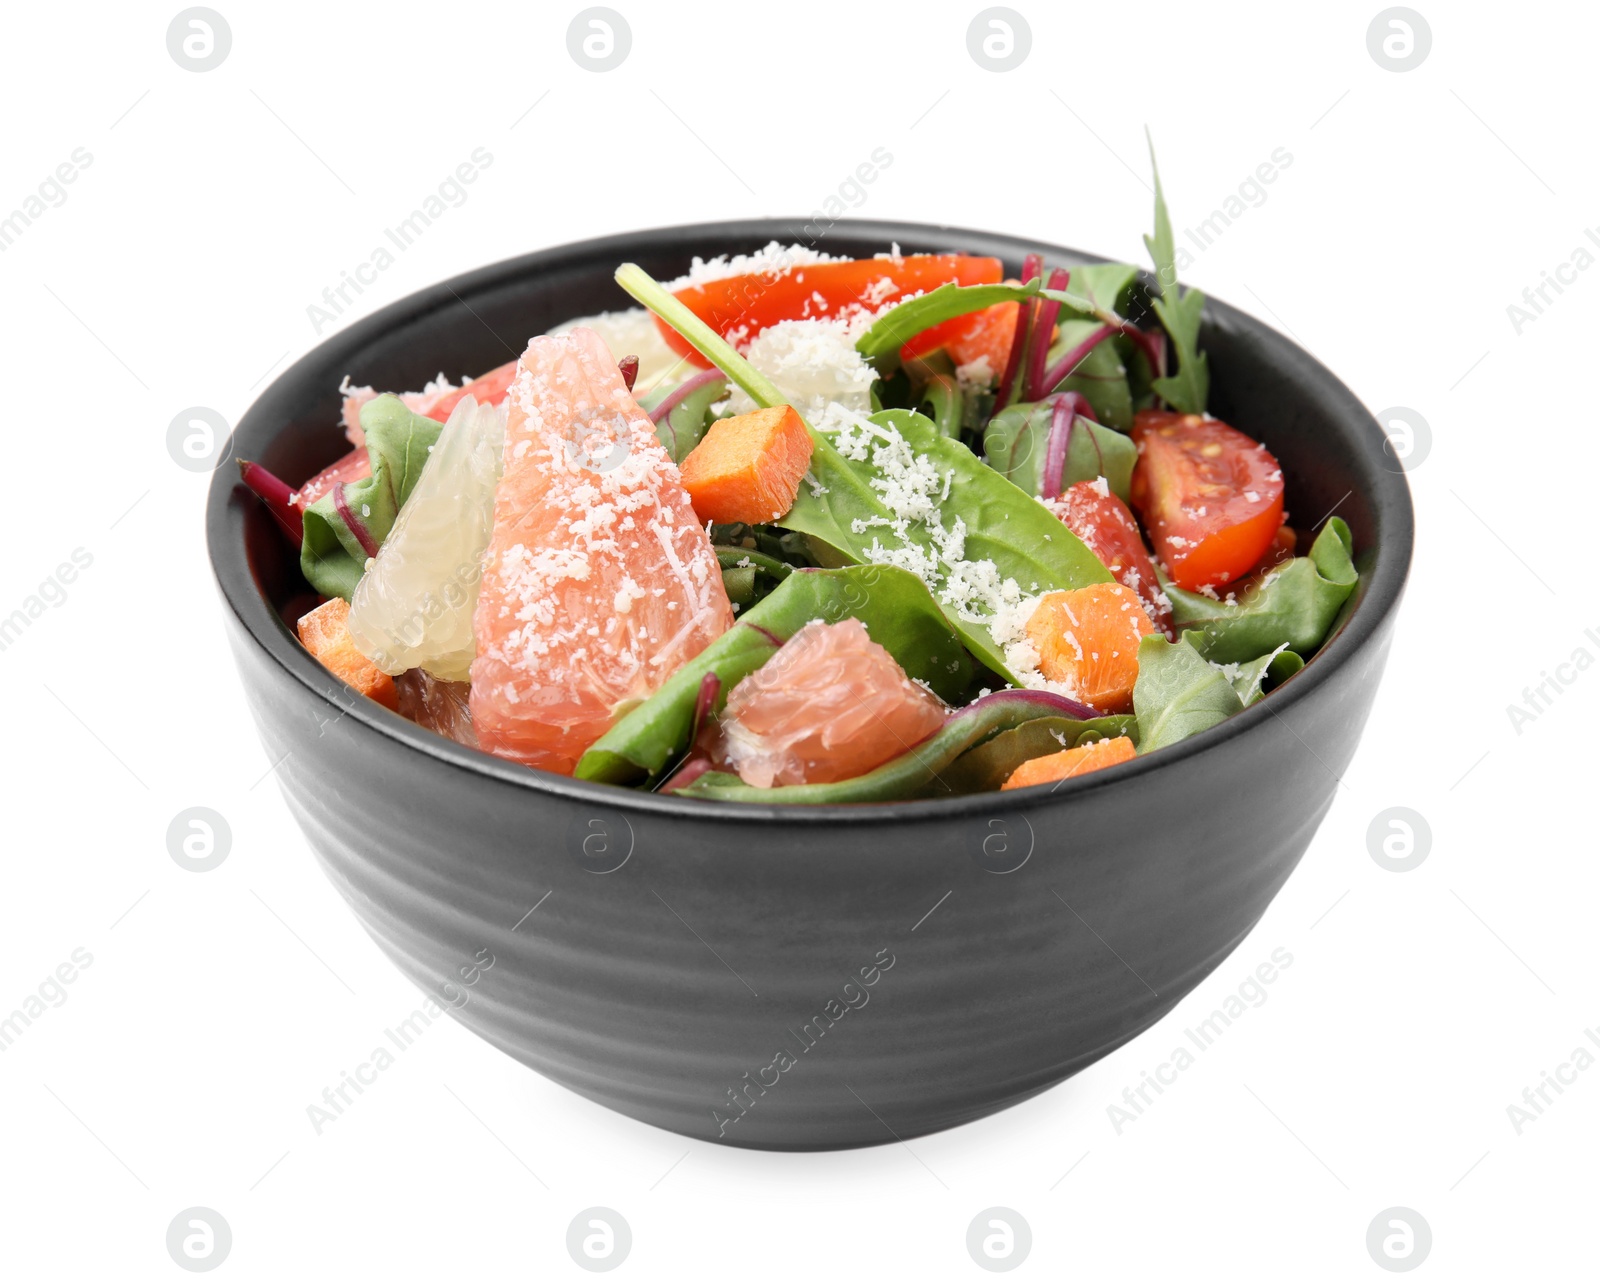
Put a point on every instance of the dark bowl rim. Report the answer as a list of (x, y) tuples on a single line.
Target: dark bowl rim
[(1380, 595)]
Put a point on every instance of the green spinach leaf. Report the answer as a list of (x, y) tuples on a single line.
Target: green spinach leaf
[(1249, 679), (882, 342), (687, 421), (1178, 693), (1014, 445), (985, 767), (946, 404), (1294, 606), (841, 503), (1101, 376), (346, 526), (898, 613)]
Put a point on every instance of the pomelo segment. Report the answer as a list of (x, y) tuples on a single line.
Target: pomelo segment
[(441, 706), (354, 466), (831, 704), (598, 582), (414, 606)]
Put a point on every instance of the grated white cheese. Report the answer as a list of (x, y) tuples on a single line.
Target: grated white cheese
[(815, 364), (771, 257), (975, 373)]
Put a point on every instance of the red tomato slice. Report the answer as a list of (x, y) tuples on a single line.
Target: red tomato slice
[(1108, 529), (740, 307), (1211, 498), (491, 389), (982, 333)]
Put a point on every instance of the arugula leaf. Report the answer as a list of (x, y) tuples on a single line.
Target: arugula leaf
[(926, 770), (838, 505), (1249, 679), (985, 767), (1294, 606), (1185, 391), (333, 556), (1178, 693), (898, 613), (1014, 445)]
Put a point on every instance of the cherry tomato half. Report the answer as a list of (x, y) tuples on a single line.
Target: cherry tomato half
[(1210, 497), (740, 307), (1107, 528)]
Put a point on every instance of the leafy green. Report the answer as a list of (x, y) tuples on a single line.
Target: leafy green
[(946, 403), (985, 767), (1101, 376), (748, 575), (839, 506), (740, 584), (926, 770), (332, 557), (1294, 606), (1178, 693), (1249, 679), (898, 613), (687, 421), (1107, 285), (889, 332), (1179, 313), (1014, 444), (657, 730), (743, 558)]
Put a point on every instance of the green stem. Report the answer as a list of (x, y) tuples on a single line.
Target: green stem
[(730, 558), (943, 396), (708, 342)]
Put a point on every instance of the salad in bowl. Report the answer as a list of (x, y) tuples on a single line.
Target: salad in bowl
[(812, 529)]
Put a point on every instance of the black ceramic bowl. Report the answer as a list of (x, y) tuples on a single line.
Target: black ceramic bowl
[(782, 977)]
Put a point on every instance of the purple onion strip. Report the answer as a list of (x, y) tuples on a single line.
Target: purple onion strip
[(1069, 707), (705, 700), (1070, 361), (1044, 323), (1065, 409), (683, 391), (1055, 450), (1032, 265)]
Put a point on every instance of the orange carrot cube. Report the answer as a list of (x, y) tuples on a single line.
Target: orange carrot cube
[(1089, 639), (748, 468), (1071, 763), (325, 631)]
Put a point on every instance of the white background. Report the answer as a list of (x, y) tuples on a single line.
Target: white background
[(218, 1006)]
